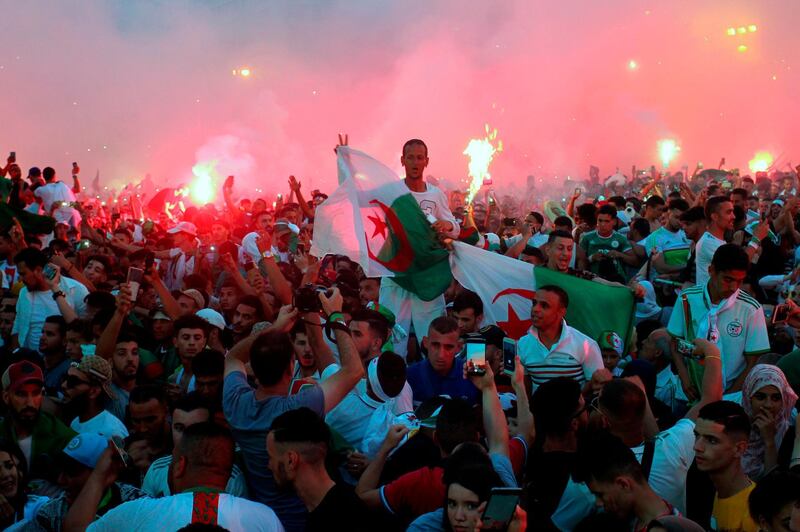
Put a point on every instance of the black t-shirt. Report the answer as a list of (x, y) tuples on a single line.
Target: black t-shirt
[(341, 509)]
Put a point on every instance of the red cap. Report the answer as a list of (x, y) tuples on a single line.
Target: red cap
[(21, 373)]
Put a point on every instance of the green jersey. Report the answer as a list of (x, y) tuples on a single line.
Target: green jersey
[(592, 243)]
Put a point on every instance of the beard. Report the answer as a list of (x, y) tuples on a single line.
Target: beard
[(27, 417), (76, 406)]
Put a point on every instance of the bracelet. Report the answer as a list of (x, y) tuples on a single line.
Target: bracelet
[(336, 316), (712, 356), (58, 294), (754, 244), (267, 254)]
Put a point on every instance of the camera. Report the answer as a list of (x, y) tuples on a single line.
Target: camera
[(306, 298)]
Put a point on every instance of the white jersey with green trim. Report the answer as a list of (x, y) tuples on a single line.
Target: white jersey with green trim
[(740, 327)]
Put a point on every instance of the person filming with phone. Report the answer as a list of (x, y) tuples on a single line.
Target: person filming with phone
[(46, 293)]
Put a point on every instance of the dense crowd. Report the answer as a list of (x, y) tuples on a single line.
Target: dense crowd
[(174, 367)]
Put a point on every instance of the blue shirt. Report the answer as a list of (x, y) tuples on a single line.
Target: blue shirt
[(250, 420), (426, 383)]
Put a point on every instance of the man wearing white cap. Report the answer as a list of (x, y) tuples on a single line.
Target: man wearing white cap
[(217, 323), (182, 256), (78, 458)]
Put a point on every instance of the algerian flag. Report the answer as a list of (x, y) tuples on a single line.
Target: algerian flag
[(373, 219), (506, 287)]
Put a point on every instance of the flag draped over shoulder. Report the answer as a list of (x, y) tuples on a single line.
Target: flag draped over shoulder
[(373, 219), (506, 287)]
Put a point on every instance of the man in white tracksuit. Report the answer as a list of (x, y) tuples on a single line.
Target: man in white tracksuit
[(408, 308)]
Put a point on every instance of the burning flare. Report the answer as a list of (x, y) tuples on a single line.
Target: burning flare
[(761, 162), (203, 187), (480, 153), (667, 149)]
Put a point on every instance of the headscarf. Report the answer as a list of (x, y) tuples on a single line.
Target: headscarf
[(760, 376)]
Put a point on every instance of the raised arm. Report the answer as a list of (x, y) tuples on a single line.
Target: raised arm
[(712, 376), (279, 284), (239, 355), (171, 306), (108, 339), (494, 422), (294, 185), (525, 422), (340, 383), (64, 307)]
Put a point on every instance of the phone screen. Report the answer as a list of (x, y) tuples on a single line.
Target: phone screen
[(49, 271), (500, 507), (476, 358), (509, 355)]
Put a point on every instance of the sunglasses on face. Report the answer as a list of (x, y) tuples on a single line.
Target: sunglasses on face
[(71, 381)]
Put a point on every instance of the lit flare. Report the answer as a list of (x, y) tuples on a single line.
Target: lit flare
[(480, 153)]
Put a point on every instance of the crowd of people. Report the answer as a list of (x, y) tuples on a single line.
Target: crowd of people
[(167, 367)]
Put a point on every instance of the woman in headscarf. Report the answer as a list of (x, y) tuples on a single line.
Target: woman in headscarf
[(768, 400)]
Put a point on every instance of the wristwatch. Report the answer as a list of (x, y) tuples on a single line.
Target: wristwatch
[(267, 254), (58, 294)]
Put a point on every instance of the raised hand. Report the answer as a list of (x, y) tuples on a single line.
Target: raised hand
[(343, 141), (294, 184)]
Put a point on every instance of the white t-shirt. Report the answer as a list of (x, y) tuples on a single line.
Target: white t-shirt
[(574, 355), (105, 424), (704, 252), (53, 192), (172, 513), (433, 202), (740, 324), (674, 453), (25, 445), (351, 418)]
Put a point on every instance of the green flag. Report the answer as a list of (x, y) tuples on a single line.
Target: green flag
[(593, 307)]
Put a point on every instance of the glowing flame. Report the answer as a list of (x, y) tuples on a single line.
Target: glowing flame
[(761, 162), (244, 72), (203, 188), (667, 149), (480, 153)]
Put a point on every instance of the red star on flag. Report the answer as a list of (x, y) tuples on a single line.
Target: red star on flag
[(380, 226), (515, 327)]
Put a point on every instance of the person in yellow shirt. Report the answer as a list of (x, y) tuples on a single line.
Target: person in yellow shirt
[(721, 435)]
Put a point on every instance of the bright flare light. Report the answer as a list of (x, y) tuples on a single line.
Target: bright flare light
[(202, 189), (742, 48), (244, 72), (632, 65), (761, 162), (480, 153), (667, 149)]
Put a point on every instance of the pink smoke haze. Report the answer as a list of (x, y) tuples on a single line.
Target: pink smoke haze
[(131, 88)]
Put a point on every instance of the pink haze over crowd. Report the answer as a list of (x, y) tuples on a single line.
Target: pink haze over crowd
[(132, 88)]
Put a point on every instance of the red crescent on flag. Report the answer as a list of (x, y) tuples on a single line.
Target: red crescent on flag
[(515, 291), (405, 254)]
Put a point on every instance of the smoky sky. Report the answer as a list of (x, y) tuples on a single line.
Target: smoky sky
[(130, 88)]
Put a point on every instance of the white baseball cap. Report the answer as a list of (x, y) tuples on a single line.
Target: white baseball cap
[(213, 317)]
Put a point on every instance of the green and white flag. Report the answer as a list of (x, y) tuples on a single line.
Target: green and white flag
[(373, 219), (506, 286)]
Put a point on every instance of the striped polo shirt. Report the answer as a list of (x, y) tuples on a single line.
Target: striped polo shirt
[(574, 355)]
